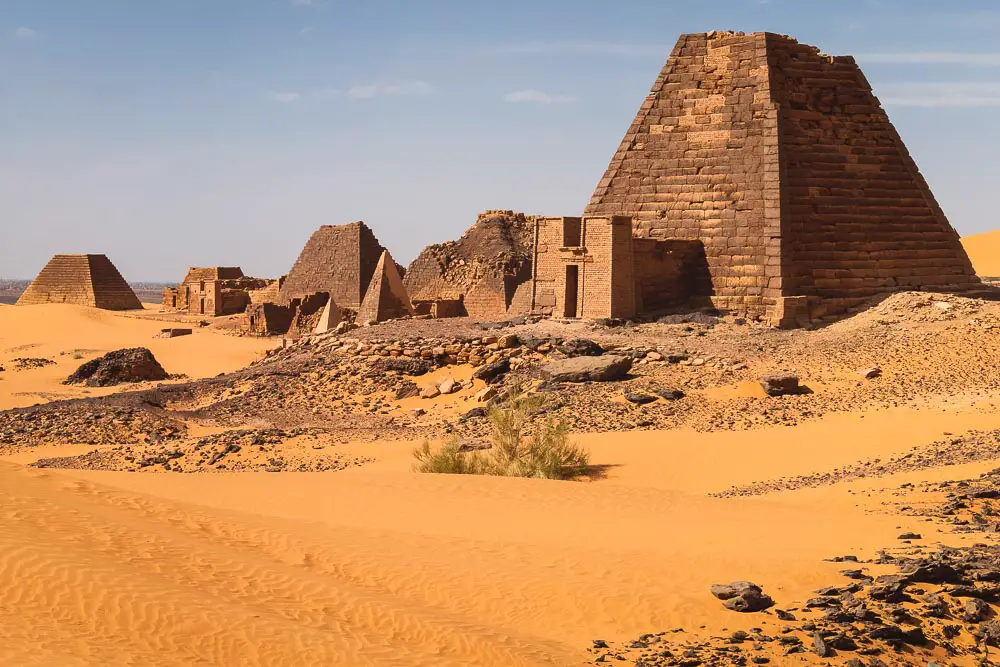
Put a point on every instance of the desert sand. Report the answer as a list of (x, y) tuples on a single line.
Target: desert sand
[(70, 335), (984, 251), (379, 565)]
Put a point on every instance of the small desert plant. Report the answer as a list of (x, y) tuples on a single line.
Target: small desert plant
[(547, 453)]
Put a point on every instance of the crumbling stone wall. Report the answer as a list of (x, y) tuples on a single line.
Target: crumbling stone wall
[(296, 318), (667, 273), (339, 259), (483, 270), (213, 291), (86, 280), (781, 162)]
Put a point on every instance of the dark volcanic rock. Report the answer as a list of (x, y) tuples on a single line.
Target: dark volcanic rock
[(402, 365), (587, 369), (135, 364), (492, 372), (742, 596), (639, 397), (580, 347)]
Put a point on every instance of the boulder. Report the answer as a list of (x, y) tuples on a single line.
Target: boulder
[(135, 364), (780, 384), (449, 386), (669, 393), (742, 596), (430, 392), (587, 369), (407, 390), (639, 397), (580, 347), (508, 341), (491, 372), (731, 590), (871, 373)]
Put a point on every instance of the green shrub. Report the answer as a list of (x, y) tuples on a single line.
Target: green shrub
[(547, 453)]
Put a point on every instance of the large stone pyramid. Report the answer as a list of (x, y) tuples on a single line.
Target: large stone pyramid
[(784, 164), (386, 297), (86, 280), (339, 259)]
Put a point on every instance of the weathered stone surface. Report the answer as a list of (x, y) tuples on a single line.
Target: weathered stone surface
[(492, 372), (780, 384), (580, 347), (85, 280), (587, 369), (742, 596), (135, 364)]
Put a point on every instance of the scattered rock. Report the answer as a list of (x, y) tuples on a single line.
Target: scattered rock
[(872, 373), (580, 347), (910, 536), (742, 596), (407, 390), (135, 364), (430, 392), (780, 384), (449, 386), (669, 393), (639, 397), (486, 394)]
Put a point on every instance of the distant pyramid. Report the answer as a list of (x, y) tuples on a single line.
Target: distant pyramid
[(339, 259), (386, 297), (329, 318), (85, 280)]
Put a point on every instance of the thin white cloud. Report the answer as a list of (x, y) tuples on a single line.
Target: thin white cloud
[(368, 91), (987, 59), (945, 94), (284, 97), (625, 49), (25, 33), (537, 97)]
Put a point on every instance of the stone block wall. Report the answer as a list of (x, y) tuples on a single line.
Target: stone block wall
[(337, 258), (857, 217), (667, 272), (86, 280), (700, 161)]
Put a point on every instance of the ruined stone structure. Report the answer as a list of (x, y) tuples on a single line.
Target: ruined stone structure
[(784, 165), (486, 274), (337, 259), (215, 290), (299, 316), (595, 268), (86, 280), (386, 297)]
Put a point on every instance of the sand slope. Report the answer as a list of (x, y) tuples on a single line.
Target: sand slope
[(70, 335), (984, 251), (381, 566)]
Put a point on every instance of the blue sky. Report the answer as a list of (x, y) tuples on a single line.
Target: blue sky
[(169, 133)]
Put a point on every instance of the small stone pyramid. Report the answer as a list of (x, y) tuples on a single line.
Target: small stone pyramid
[(84, 280), (329, 318), (386, 297)]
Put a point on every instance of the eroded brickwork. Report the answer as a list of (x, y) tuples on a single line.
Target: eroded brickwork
[(213, 291), (338, 259), (86, 280)]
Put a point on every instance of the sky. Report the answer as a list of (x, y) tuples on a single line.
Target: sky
[(171, 133)]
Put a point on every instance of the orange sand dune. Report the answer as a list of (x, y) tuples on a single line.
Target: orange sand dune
[(70, 335), (984, 251), (382, 566)]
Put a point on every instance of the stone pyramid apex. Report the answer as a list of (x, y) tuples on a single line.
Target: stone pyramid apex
[(329, 318), (386, 297)]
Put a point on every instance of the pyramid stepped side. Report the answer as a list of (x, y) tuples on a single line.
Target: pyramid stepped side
[(700, 161), (386, 297), (339, 259), (859, 218), (110, 289), (783, 164), (64, 279)]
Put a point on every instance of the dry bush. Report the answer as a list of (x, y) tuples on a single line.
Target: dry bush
[(546, 454)]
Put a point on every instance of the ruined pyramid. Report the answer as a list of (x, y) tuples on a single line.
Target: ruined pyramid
[(329, 318), (85, 280), (783, 163), (386, 297), (339, 259)]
